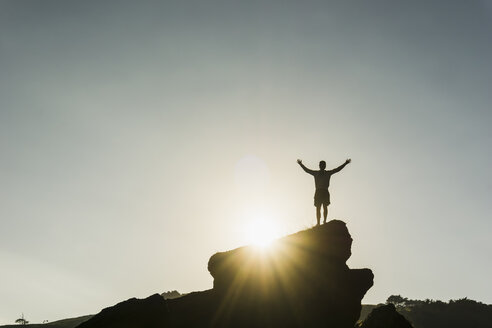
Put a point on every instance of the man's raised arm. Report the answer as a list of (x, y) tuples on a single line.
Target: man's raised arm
[(338, 169), (305, 168)]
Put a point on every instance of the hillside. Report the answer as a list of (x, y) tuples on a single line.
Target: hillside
[(301, 281), (65, 323)]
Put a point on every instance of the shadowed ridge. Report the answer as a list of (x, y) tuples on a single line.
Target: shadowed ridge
[(150, 312), (302, 280)]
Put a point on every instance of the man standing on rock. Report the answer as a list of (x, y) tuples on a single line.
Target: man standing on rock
[(322, 182)]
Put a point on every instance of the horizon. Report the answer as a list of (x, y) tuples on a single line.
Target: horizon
[(138, 139)]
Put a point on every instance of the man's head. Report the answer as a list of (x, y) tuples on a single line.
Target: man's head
[(322, 165)]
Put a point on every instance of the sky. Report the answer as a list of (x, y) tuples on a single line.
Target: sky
[(139, 138)]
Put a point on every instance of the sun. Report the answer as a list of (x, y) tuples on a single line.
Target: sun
[(261, 232)]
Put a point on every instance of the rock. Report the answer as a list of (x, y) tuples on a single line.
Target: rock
[(300, 281)]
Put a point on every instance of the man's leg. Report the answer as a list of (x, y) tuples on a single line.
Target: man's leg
[(318, 213), (325, 212)]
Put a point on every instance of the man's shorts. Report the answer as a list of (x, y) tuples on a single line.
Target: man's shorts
[(321, 197)]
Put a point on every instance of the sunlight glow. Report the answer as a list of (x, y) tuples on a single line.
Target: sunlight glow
[(261, 232)]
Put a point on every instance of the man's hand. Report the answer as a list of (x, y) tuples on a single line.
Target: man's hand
[(305, 168), (348, 161)]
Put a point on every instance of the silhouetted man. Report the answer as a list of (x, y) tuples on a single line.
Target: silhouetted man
[(322, 182)]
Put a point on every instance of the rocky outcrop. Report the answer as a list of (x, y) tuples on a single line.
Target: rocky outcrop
[(300, 281)]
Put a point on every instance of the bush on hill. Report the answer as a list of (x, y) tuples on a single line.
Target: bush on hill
[(434, 313)]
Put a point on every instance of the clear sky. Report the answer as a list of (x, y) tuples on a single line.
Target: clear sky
[(139, 138)]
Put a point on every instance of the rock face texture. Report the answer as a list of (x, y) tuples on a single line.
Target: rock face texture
[(300, 281)]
